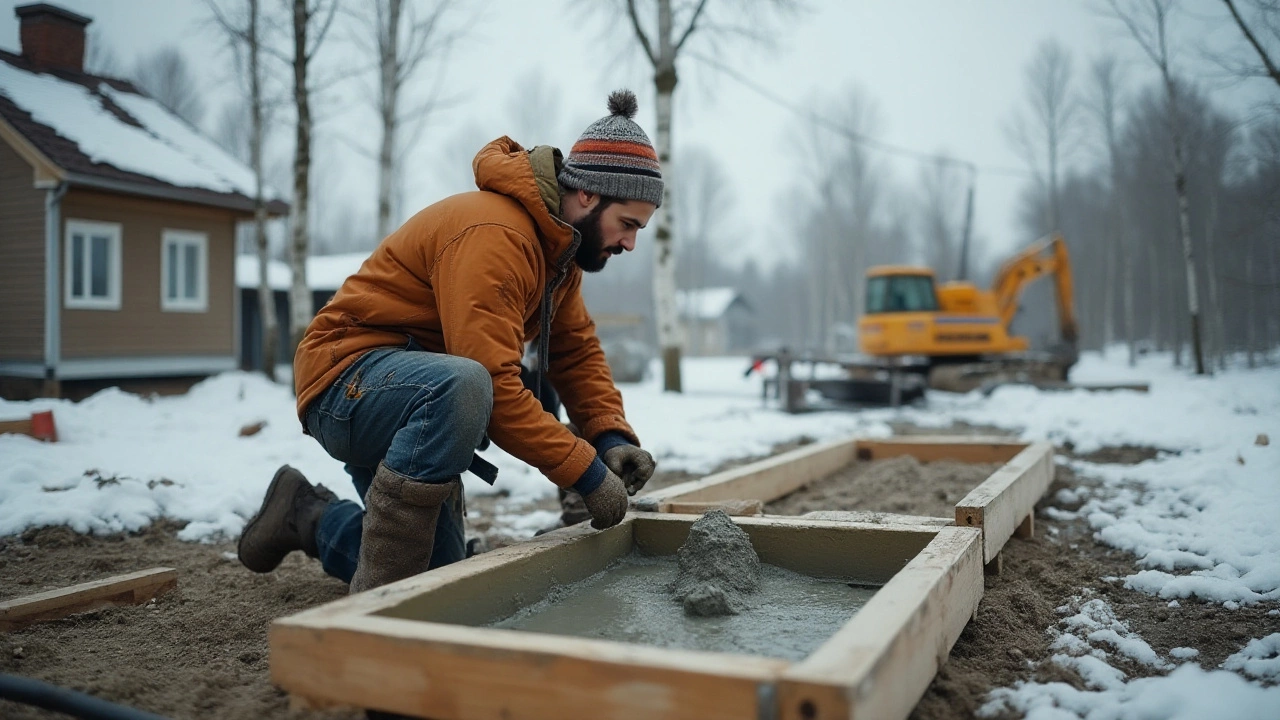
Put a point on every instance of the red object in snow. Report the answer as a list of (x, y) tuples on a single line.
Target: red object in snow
[(43, 427)]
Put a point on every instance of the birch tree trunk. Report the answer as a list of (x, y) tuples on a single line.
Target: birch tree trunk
[(300, 309), (389, 97), (1184, 220), (266, 296), (664, 258)]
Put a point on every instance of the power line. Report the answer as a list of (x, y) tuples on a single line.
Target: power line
[(853, 136)]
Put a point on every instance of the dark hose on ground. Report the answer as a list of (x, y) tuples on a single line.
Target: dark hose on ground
[(59, 699)]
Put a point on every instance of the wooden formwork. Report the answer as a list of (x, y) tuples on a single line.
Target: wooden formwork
[(417, 646), (1002, 505)]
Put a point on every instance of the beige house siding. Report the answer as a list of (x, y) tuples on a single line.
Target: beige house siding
[(140, 328), (22, 241)]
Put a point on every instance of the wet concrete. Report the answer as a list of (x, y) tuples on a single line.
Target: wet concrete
[(631, 601)]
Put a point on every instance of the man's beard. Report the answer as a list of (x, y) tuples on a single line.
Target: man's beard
[(591, 253)]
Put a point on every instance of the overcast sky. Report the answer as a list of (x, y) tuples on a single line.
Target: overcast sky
[(945, 76)]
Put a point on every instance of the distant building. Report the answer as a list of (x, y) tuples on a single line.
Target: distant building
[(716, 321), (117, 227), (325, 274)]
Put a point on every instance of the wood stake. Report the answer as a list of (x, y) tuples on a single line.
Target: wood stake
[(132, 589), (1027, 528)]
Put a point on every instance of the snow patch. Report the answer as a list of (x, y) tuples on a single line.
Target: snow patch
[(1259, 659)]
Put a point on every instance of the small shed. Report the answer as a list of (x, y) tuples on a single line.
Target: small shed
[(117, 227), (716, 321)]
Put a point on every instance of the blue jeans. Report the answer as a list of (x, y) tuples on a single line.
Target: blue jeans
[(421, 414)]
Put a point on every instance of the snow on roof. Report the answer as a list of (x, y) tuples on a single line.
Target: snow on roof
[(160, 146), (706, 303), (324, 272)]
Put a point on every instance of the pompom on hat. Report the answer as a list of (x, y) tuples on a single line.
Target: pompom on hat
[(613, 156)]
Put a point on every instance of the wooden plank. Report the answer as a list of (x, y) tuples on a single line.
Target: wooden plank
[(880, 663), (765, 480), (131, 589), (451, 672), (364, 651), (876, 518), (730, 507), (928, 448), (1000, 503), (526, 568), (16, 427)]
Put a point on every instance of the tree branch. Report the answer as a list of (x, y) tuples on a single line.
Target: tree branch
[(1272, 71), (1138, 36), (324, 28), (644, 39), (693, 24)]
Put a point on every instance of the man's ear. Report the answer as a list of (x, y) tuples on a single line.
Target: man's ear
[(588, 200)]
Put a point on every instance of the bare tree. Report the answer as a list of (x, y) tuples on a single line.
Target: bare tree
[(307, 15), (535, 108), (705, 206), (662, 34), (842, 207), (232, 129), (403, 37), (1106, 100), (1043, 131), (99, 58), (1269, 21), (941, 188), (167, 78), (1147, 22), (244, 36)]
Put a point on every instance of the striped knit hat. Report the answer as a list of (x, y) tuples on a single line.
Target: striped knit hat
[(614, 157)]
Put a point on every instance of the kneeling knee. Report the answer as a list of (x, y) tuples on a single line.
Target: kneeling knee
[(471, 393)]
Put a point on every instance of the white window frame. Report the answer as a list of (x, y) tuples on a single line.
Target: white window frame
[(88, 228), (185, 238)]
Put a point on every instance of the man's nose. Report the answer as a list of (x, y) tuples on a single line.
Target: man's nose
[(629, 243)]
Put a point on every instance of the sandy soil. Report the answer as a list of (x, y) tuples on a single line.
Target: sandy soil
[(1018, 605), (900, 485), (200, 651)]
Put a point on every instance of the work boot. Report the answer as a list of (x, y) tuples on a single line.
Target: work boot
[(400, 516), (286, 521)]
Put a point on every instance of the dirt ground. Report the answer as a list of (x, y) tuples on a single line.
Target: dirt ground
[(200, 651), (902, 485)]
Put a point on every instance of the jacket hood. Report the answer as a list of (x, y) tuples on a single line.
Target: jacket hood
[(528, 177)]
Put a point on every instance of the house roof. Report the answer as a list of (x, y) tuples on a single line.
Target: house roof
[(324, 272), (705, 303), (106, 134)]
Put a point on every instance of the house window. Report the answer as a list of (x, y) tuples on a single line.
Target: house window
[(93, 265), (184, 282)]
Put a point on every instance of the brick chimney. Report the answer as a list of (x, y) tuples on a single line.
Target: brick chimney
[(52, 38)]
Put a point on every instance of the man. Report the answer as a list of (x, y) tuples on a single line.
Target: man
[(415, 362)]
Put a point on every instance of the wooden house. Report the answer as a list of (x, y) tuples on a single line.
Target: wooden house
[(117, 227)]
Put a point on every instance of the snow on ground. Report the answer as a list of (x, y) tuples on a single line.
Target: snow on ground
[(1091, 633), (1199, 518), (123, 460)]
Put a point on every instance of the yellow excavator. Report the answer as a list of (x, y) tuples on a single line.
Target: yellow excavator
[(958, 334)]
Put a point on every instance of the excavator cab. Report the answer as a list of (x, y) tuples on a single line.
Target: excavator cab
[(901, 289)]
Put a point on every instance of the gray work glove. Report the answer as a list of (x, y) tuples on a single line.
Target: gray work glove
[(633, 465), (607, 503)]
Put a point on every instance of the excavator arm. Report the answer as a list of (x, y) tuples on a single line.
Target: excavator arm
[(1044, 257)]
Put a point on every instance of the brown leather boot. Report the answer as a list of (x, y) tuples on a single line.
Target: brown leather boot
[(400, 516), (287, 521)]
